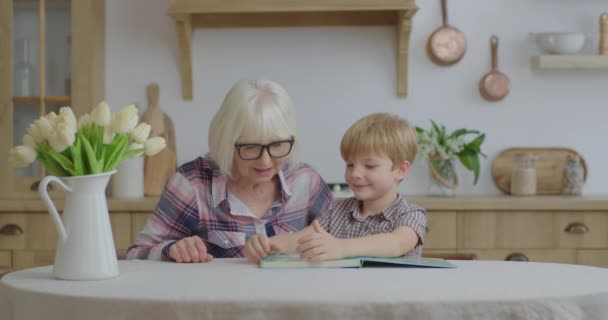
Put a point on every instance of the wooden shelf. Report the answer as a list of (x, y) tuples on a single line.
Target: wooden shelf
[(192, 14), (570, 62), (55, 99)]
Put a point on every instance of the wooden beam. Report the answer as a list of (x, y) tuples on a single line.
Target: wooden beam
[(88, 54), (404, 28), (6, 93), (183, 27)]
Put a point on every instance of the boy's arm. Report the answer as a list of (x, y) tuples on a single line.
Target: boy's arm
[(382, 245), (321, 246)]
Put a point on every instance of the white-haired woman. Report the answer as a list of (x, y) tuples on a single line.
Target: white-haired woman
[(249, 184)]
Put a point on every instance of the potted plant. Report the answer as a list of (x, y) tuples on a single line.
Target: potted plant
[(442, 148)]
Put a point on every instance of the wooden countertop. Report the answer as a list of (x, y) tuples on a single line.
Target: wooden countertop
[(460, 203)]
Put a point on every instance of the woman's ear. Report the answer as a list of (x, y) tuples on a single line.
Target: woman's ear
[(403, 169)]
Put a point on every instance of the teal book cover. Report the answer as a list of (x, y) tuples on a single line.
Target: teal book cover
[(284, 261)]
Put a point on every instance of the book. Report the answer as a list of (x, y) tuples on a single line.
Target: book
[(284, 261)]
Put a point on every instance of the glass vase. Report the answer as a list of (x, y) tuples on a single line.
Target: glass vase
[(443, 177)]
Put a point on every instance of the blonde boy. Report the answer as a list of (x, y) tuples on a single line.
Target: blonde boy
[(379, 150)]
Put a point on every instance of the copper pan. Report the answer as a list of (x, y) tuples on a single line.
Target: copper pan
[(495, 85), (446, 45)]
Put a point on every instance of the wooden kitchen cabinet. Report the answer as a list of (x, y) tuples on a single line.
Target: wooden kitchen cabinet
[(541, 229), (52, 54)]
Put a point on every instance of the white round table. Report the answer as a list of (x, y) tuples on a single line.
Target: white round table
[(234, 289)]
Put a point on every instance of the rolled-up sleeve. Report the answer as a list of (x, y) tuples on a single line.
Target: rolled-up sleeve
[(176, 216), (415, 218)]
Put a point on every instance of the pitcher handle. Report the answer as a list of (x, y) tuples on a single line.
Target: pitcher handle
[(51, 206)]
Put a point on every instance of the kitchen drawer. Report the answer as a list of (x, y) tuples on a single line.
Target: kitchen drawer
[(485, 230), (121, 229), (138, 220), (441, 230), (6, 259), (581, 230), (533, 255), (37, 231), (24, 259), (598, 258), (27, 231)]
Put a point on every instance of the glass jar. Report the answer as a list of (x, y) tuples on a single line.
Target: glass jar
[(573, 176), (523, 175)]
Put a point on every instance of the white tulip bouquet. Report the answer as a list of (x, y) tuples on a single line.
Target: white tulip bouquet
[(95, 143)]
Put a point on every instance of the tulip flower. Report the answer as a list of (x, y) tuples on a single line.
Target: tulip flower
[(21, 156), (34, 132), (84, 120), (45, 127), (125, 120), (101, 114), (66, 115), (29, 141), (108, 135), (141, 133), (154, 145), (62, 137)]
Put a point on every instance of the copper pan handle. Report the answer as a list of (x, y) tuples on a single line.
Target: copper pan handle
[(494, 47), (444, 12)]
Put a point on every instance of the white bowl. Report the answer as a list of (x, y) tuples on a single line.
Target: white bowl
[(560, 42)]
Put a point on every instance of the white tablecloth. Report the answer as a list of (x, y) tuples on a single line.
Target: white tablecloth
[(234, 289)]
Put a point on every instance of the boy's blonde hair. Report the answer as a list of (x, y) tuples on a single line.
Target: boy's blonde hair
[(381, 133)]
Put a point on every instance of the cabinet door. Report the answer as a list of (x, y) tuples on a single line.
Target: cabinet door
[(534, 255), (581, 230), (598, 258), (38, 74), (441, 230), (6, 259), (24, 259), (505, 230)]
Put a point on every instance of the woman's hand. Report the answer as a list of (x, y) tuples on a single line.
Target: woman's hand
[(259, 246), (319, 246), (191, 249)]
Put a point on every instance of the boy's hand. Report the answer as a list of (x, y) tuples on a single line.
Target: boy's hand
[(190, 249), (319, 246), (259, 246)]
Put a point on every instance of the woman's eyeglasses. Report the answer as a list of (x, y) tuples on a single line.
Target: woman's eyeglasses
[(252, 151)]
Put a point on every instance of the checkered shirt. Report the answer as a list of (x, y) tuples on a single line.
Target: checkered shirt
[(345, 220)]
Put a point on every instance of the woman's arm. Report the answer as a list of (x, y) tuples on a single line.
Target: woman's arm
[(175, 217)]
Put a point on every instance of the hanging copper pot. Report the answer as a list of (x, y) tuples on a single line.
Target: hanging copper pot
[(446, 45), (495, 85)]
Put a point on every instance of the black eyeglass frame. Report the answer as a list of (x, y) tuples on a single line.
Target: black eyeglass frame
[(238, 147)]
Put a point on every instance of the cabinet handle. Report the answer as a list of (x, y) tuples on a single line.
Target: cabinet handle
[(517, 256), (427, 230), (34, 186), (577, 228), (11, 230)]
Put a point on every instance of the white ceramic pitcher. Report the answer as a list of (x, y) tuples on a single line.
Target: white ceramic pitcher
[(85, 249)]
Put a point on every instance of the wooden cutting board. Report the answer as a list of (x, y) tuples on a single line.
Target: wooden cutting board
[(549, 166), (159, 167)]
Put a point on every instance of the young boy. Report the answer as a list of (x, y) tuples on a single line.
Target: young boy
[(379, 150)]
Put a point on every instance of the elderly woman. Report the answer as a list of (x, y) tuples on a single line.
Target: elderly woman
[(249, 184)]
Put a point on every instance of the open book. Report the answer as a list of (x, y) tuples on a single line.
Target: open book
[(280, 261)]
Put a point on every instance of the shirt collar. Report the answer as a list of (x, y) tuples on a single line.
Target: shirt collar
[(219, 189), (355, 209)]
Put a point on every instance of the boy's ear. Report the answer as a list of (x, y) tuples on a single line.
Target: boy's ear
[(403, 170)]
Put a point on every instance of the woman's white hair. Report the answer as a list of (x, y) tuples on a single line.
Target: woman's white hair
[(253, 111)]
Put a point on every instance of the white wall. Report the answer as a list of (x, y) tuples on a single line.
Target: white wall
[(337, 75)]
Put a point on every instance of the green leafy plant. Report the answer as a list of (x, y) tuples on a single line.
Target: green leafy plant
[(437, 144), (95, 143)]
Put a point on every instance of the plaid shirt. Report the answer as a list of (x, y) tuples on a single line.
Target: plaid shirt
[(196, 202), (345, 220)]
